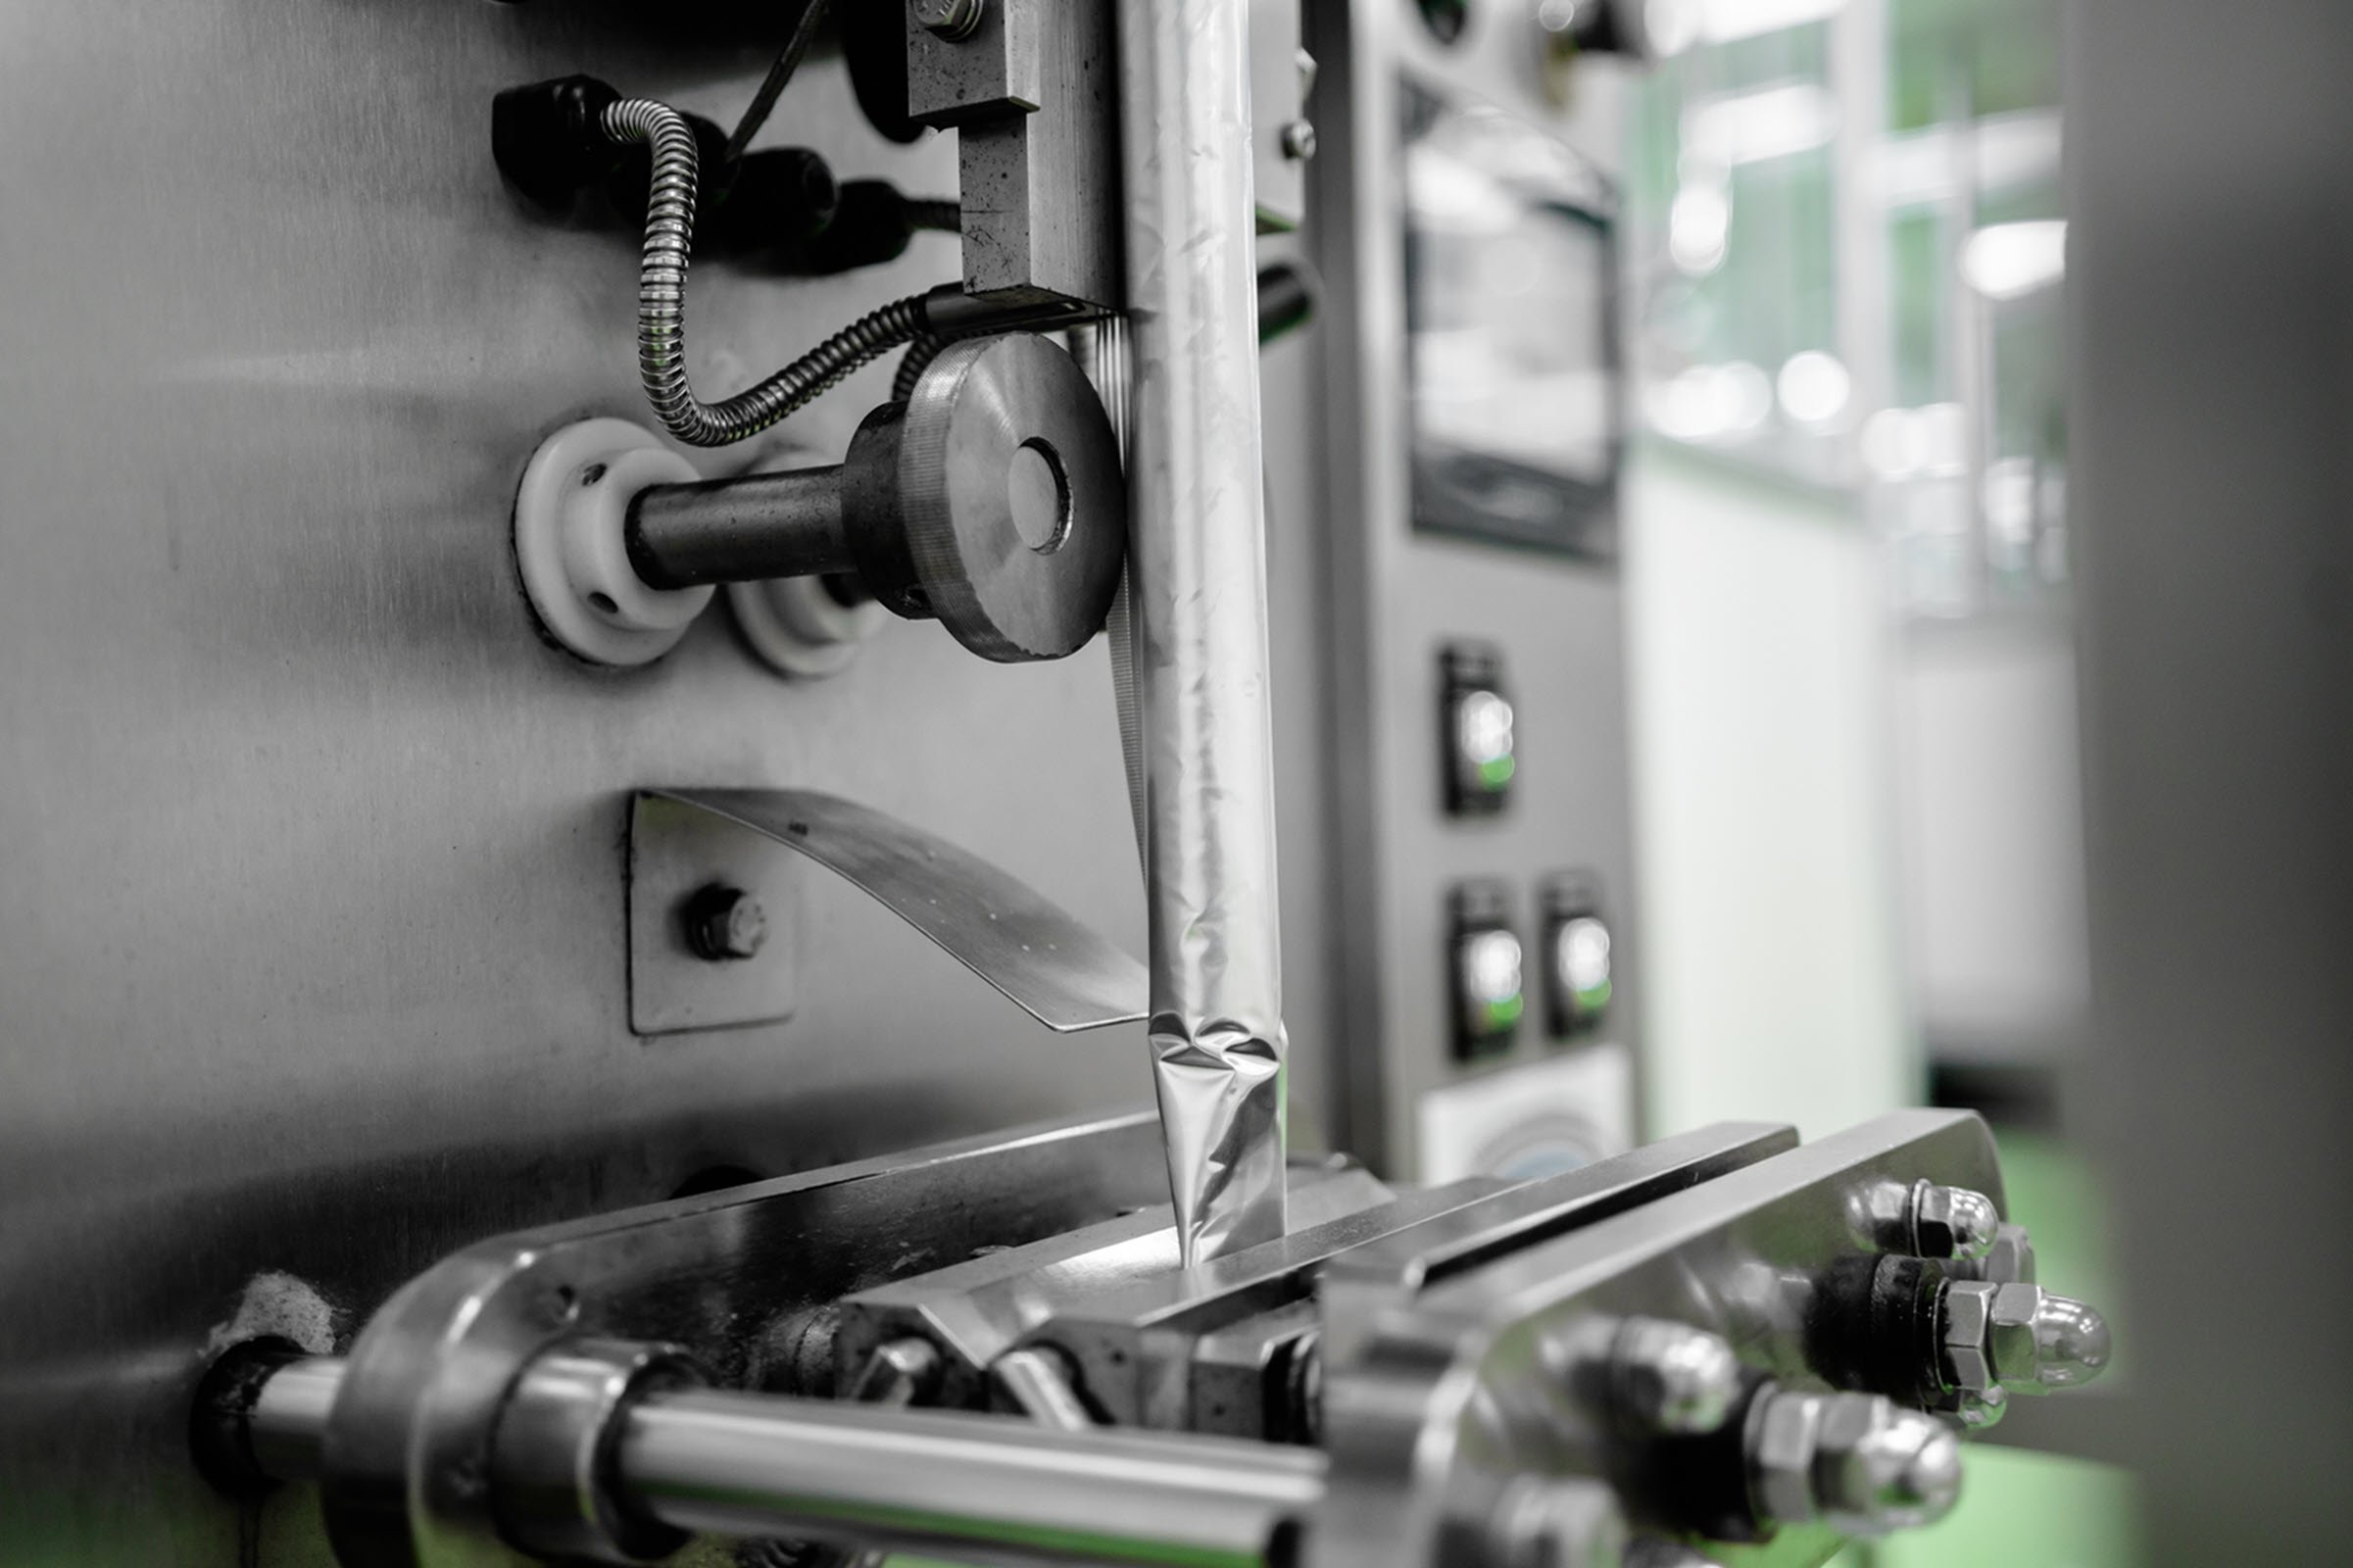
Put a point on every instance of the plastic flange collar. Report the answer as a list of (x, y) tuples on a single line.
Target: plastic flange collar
[(569, 517)]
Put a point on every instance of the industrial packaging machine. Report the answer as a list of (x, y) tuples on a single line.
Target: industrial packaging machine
[(486, 1079)]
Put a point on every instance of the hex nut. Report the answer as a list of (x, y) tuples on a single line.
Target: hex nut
[(1784, 1429), (1965, 1335), (2010, 1343), (1952, 1222), (2011, 1258), (951, 19), (1671, 1377), (1881, 1467)]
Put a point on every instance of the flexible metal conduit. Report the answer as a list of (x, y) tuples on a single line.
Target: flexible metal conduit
[(764, 1465), (1196, 561), (662, 302)]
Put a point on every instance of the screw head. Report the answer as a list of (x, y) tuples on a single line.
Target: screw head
[(724, 923), (1298, 141), (951, 19)]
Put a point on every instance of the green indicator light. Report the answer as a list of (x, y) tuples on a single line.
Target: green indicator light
[(1502, 1012), (1496, 771)]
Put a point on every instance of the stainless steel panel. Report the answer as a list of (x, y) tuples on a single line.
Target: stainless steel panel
[(312, 942), (1392, 596)]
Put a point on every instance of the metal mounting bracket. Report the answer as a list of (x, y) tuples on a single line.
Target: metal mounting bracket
[(1033, 951)]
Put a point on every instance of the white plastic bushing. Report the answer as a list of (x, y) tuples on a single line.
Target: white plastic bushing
[(798, 628), (569, 522)]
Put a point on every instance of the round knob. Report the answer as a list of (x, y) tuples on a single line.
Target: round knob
[(992, 499)]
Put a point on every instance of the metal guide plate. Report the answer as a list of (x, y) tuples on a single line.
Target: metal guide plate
[(1037, 954), (675, 849)]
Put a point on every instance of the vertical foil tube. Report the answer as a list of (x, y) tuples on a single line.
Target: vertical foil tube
[(1197, 564)]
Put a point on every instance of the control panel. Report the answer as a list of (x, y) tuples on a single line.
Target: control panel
[(1481, 882)]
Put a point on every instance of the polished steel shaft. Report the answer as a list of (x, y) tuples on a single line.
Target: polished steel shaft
[(745, 1464), (987, 1488), (287, 1422)]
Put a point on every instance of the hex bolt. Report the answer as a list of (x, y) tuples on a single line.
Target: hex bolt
[(1299, 140), (1952, 1222), (1858, 1462), (951, 19), (723, 923), (1671, 1377)]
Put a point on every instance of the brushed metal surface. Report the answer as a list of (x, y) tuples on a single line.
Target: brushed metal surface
[(312, 941)]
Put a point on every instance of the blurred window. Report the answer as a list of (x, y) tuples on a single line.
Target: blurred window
[(1845, 241)]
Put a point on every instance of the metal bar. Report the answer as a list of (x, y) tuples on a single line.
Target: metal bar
[(1198, 576), (762, 1465), (286, 1423), (745, 529), (746, 1464)]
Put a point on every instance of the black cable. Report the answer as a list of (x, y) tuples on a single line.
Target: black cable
[(771, 87)]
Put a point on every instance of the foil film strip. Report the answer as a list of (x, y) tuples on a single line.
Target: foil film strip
[(1197, 565)]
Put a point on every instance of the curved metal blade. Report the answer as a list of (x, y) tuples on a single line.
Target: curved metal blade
[(1059, 971)]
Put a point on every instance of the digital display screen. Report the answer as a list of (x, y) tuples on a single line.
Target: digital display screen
[(1510, 282)]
